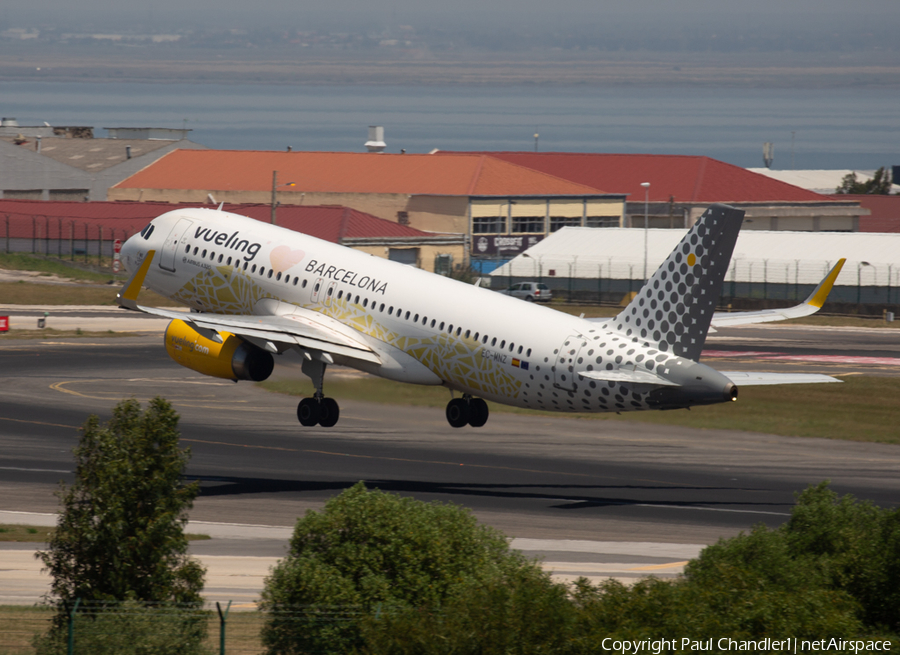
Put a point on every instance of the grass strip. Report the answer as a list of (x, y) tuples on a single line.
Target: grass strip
[(860, 409), (32, 293), (80, 271)]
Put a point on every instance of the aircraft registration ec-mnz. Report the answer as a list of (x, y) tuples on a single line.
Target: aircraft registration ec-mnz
[(255, 290)]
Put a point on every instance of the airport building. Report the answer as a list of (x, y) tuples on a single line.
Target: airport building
[(681, 187), (44, 162), (767, 268), (501, 208)]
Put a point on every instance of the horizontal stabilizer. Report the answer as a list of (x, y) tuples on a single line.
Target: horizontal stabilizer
[(628, 374), (753, 379)]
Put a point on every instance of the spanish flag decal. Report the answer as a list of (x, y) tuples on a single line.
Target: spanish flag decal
[(520, 364)]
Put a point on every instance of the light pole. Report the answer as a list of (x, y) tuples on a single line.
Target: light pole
[(859, 267), (646, 186), (275, 187)]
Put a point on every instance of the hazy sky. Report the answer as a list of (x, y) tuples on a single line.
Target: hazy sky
[(601, 15)]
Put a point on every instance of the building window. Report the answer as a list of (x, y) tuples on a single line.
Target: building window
[(559, 222), (489, 225), (602, 221), (527, 224)]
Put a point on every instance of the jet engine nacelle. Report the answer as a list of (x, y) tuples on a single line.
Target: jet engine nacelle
[(233, 359)]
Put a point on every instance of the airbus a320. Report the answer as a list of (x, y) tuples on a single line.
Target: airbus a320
[(256, 291)]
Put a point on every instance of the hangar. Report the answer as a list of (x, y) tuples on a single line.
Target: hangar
[(681, 187), (501, 206), (584, 264)]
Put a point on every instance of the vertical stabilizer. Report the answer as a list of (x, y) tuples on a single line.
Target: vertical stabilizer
[(672, 311)]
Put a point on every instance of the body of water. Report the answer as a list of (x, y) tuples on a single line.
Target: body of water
[(832, 128)]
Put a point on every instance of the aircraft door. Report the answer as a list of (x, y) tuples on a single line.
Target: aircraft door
[(329, 294), (170, 247), (564, 369), (317, 289)]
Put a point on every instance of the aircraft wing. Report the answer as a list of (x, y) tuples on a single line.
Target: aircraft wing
[(809, 306), (307, 329), (753, 379)]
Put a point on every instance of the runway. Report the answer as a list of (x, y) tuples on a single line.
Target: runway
[(556, 480)]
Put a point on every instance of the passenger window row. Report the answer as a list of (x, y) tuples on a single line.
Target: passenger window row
[(211, 255), (245, 265)]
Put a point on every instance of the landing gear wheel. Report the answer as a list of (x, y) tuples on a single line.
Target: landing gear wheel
[(478, 412), (330, 412), (457, 412), (309, 412)]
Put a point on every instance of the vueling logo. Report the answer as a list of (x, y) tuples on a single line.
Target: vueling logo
[(234, 242), (190, 346)]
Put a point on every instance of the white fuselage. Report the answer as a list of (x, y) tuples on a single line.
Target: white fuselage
[(425, 328)]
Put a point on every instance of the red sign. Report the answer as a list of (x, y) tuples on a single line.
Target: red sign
[(117, 266), (4, 323), (117, 246)]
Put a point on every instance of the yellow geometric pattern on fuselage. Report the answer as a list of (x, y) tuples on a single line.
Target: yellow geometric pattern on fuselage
[(229, 290)]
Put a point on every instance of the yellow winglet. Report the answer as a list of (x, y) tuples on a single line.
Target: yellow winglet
[(127, 297), (818, 297)]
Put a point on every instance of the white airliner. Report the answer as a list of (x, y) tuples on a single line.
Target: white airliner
[(256, 289)]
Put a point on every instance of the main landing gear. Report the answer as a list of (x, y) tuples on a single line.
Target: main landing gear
[(317, 410), (467, 411)]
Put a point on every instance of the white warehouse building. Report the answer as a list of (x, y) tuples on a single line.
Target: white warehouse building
[(765, 265)]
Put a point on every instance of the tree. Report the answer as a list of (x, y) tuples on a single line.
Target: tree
[(120, 534), (370, 554), (879, 184)]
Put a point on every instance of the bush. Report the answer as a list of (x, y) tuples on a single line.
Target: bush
[(521, 614), (830, 571), (372, 553)]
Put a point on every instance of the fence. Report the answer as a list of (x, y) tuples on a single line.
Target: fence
[(63, 237), (753, 280), (130, 627), (127, 627)]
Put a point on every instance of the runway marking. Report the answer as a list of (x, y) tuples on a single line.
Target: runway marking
[(16, 468), (656, 567), (55, 425), (171, 381), (113, 395)]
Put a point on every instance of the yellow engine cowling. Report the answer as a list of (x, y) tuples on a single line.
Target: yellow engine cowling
[(234, 359)]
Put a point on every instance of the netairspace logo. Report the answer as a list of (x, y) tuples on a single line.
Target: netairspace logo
[(726, 644)]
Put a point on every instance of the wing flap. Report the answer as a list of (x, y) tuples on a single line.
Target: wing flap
[(754, 378)]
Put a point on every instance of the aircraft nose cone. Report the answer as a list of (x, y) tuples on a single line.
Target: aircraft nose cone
[(132, 254)]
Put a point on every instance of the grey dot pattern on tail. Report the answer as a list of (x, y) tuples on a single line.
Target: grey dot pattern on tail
[(673, 310)]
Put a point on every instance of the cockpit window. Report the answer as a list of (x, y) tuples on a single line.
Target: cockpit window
[(147, 231)]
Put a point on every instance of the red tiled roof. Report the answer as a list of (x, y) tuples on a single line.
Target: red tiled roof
[(687, 178), (885, 211), (41, 219), (347, 172)]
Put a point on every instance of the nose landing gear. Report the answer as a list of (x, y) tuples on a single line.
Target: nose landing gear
[(467, 411)]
